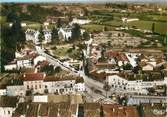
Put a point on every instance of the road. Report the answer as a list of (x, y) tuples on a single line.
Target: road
[(93, 83), (56, 62)]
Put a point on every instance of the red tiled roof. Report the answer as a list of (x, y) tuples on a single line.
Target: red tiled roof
[(42, 63), (33, 76), (101, 75), (118, 55), (111, 110)]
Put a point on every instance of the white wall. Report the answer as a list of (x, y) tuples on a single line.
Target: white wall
[(36, 85), (6, 111), (16, 90), (39, 58), (2, 92)]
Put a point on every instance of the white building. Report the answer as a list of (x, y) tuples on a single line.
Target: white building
[(58, 85), (34, 82), (63, 85), (80, 21), (124, 19), (148, 67), (2, 91), (7, 106), (15, 90), (123, 84), (32, 35), (26, 62), (10, 66), (79, 87), (47, 35), (65, 34), (38, 59)]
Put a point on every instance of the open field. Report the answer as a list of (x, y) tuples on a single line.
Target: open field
[(160, 27)]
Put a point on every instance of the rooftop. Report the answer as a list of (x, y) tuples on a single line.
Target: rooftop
[(45, 109), (8, 101), (33, 76), (111, 110)]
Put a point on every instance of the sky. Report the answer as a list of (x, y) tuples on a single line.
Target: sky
[(85, 1)]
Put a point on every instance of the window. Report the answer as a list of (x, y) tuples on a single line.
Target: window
[(39, 86), (8, 112), (35, 86), (28, 87)]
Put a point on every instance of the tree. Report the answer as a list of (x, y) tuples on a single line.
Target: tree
[(58, 69), (41, 34), (55, 35), (48, 69), (86, 35), (59, 23), (86, 12), (153, 27), (127, 66), (76, 31), (17, 31)]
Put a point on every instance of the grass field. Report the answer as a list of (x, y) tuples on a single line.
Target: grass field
[(160, 27), (93, 27)]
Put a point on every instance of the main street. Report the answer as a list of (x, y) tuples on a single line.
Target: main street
[(56, 62), (90, 83)]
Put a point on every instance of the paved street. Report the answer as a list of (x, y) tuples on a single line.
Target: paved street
[(98, 85)]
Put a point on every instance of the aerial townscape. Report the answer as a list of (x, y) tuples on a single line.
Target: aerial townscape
[(83, 60)]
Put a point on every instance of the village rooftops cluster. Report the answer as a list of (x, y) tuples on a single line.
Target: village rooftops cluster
[(128, 72), (40, 83), (68, 110), (25, 59)]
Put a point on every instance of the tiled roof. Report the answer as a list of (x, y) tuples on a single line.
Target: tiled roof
[(91, 110), (111, 110), (63, 78), (27, 57), (8, 101), (42, 63), (33, 76), (101, 75), (118, 55), (45, 109)]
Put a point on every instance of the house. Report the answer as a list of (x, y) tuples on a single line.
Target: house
[(92, 109), (2, 90), (65, 34), (59, 85), (63, 109), (111, 110), (32, 35), (33, 82), (80, 21), (7, 105), (15, 88), (26, 61), (38, 59), (47, 35), (46, 23), (65, 84), (51, 98), (148, 67), (40, 65), (119, 57), (11, 66), (135, 83), (53, 20)]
